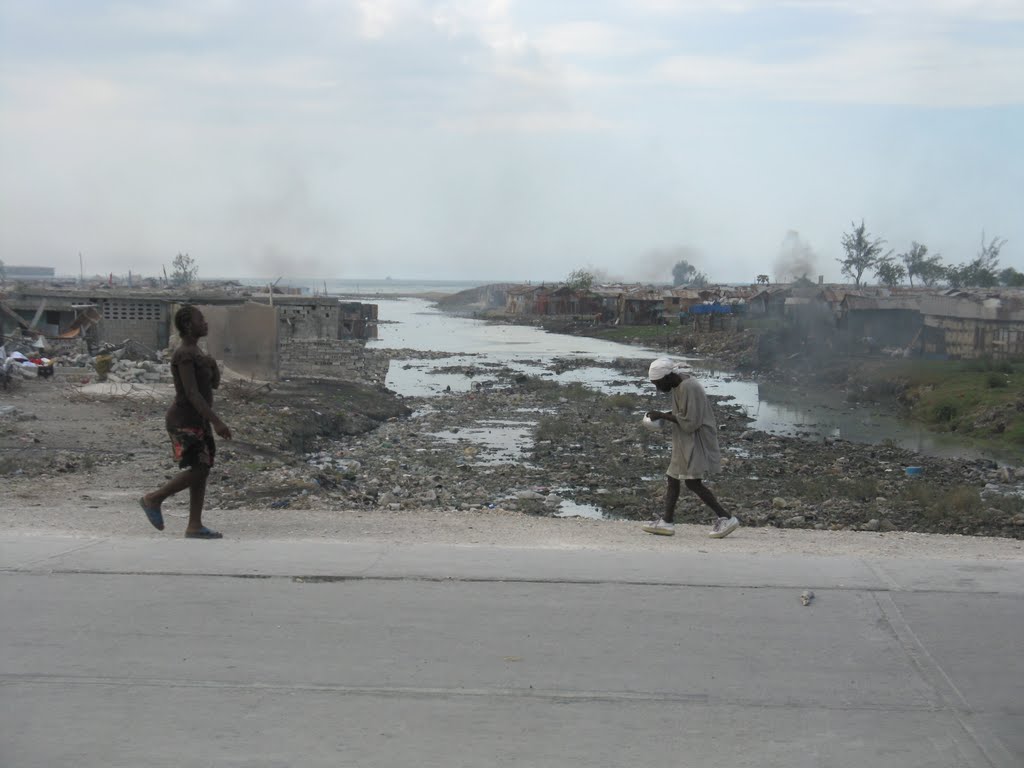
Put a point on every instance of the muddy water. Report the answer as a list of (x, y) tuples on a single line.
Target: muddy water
[(417, 325)]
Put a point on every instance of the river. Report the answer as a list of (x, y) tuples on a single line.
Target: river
[(416, 324)]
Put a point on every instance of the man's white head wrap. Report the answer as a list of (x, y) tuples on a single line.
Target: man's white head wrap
[(661, 368)]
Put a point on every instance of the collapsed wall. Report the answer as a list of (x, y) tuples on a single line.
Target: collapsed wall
[(340, 359)]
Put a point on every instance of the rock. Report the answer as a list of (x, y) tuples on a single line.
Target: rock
[(1018, 519), (747, 435), (887, 525), (797, 521), (779, 503), (530, 496), (806, 596), (386, 499), (872, 525)]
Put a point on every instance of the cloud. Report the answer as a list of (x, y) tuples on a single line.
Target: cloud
[(530, 123), (924, 73), (978, 10), (599, 39), (490, 136)]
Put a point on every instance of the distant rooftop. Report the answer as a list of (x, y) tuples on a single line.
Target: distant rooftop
[(20, 271)]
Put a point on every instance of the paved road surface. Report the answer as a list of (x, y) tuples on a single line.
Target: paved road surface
[(164, 652)]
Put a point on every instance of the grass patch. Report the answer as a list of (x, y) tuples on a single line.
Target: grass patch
[(986, 364), (981, 399), (553, 428), (554, 391), (624, 401), (649, 334), (960, 504)]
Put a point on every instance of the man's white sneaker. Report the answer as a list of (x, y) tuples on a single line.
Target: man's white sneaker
[(659, 527), (723, 527)]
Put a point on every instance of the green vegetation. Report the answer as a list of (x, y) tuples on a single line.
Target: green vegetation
[(554, 392), (673, 336), (625, 402), (553, 428), (980, 399)]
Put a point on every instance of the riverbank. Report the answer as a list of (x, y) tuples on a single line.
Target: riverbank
[(979, 401), (515, 443)]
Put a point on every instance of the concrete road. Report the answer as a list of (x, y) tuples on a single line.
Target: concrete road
[(165, 652)]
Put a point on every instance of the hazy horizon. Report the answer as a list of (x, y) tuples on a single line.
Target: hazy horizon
[(503, 140)]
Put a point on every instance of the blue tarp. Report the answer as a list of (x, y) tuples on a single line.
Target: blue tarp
[(711, 309)]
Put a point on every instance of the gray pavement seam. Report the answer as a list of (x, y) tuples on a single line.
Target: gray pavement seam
[(882, 575), (994, 752), (425, 578), (62, 553), (565, 695)]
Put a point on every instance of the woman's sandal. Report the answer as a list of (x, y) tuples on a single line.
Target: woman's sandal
[(153, 514), (204, 533)]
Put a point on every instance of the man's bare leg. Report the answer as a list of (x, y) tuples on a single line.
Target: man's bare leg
[(671, 497), (705, 495)]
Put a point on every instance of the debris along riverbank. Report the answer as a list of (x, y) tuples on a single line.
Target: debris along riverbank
[(980, 401), (515, 442)]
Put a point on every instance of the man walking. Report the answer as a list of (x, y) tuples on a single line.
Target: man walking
[(695, 450)]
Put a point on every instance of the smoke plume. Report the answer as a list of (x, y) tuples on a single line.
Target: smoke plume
[(795, 259)]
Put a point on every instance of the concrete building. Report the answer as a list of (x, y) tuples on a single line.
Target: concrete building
[(959, 324), (288, 335)]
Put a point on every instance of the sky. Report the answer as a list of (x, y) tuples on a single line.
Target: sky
[(505, 139)]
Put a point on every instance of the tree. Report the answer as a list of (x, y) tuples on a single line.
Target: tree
[(862, 253), (928, 269), (580, 280), (981, 271), (889, 271), (184, 270), (762, 279), (1009, 277)]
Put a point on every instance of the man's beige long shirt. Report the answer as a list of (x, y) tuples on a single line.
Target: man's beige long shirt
[(695, 450)]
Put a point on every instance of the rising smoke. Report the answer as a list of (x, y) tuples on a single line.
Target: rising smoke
[(795, 259), (655, 266)]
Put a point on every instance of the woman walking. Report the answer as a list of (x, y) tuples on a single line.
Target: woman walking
[(190, 424)]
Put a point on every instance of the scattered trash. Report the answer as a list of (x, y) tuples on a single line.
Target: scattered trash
[(806, 596)]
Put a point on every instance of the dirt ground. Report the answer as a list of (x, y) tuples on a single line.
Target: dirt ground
[(327, 458)]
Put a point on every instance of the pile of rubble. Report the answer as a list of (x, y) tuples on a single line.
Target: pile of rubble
[(139, 371), (127, 362)]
